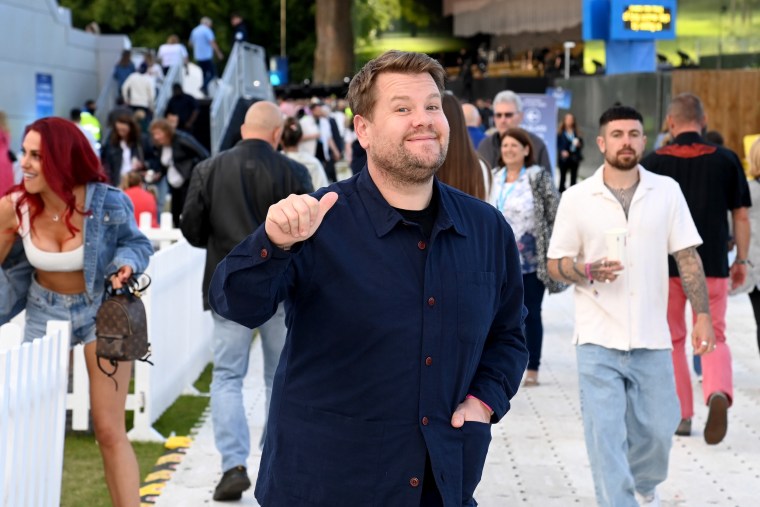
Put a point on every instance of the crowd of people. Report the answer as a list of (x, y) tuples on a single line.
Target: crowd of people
[(400, 383)]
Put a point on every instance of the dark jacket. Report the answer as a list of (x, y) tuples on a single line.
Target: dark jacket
[(230, 194), (111, 155), (387, 334), (565, 144), (490, 150), (186, 152)]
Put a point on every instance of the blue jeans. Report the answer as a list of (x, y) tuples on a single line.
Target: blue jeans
[(630, 413), (43, 305), (232, 345), (209, 73), (534, 327)]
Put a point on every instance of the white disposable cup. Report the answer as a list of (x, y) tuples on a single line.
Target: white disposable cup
[(616, 242)]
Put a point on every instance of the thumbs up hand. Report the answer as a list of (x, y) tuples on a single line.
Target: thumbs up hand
[(296, 218)]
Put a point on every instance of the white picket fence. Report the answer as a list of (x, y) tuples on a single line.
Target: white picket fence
[(179, 331), (33, 380)]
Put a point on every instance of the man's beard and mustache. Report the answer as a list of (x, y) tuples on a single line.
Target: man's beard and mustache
[(623, 164), (407, 168)]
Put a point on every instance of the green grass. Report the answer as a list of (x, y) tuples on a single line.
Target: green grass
[(83, 481)]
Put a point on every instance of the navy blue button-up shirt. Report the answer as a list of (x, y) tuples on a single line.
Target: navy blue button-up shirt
[(385, 339)]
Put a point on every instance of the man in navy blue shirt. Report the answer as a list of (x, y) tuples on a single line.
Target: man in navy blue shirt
[(404, 307)]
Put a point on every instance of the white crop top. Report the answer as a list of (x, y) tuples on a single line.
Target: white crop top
[(48, 261)]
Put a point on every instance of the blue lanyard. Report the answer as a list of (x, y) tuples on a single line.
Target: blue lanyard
[(502, 195), (570, 137)]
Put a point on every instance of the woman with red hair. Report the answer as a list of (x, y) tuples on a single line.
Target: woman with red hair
[(64, 234)]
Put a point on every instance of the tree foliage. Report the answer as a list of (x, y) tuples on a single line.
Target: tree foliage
[(149, 22)]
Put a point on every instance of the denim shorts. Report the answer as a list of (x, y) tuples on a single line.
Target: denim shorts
[(43, 305)]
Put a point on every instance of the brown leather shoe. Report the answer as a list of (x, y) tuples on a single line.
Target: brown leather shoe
[(684, 428), (531, 378), (717, 418)]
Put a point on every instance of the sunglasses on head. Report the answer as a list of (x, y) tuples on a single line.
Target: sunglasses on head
[(504, 115)]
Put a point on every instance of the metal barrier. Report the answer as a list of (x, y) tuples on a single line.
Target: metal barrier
[(245, 76), (165, 92), (105, 102), (33, 379)]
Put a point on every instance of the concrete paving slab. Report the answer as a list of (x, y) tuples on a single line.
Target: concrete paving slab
[(538, 456)]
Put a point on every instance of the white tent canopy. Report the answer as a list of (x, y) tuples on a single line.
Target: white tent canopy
[(510, 17)]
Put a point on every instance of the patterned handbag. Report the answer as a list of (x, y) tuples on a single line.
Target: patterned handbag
[(121, 326)]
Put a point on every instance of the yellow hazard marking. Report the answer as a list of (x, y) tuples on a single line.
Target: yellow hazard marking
[(162, 471), (160, 475), (178, 442), (173, 457), (152, 489)]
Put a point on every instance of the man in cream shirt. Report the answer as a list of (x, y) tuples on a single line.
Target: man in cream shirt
[(627, 387)]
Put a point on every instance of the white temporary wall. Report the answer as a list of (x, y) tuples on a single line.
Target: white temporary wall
[(37, 38)]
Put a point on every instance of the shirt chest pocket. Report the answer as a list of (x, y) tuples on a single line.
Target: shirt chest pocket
[(114, 216), (476, 295)]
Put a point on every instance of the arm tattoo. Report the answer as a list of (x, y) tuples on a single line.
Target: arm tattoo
[(693, 279), (573, 276)]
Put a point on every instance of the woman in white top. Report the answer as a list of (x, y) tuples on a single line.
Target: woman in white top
[(76, 234), (172, 53), (525, 194), (125, 150), (291, 136)]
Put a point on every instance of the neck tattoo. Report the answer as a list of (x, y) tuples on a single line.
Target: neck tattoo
[(624, 195)]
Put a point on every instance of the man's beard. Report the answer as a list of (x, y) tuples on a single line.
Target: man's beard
[(620, 164), (405, 168)]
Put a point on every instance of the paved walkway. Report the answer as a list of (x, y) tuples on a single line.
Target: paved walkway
[(538, 457)]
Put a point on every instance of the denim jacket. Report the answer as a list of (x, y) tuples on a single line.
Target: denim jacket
[(111, 240)]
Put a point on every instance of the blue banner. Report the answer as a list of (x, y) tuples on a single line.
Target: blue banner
[(44, 95), (562, 97), (540, 118), (596, 19), (627, 56)]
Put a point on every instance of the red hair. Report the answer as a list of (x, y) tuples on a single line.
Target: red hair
[(68, 161)]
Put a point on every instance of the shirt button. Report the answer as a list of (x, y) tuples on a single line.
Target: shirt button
[(431, 301), (414, 482), (421, 245), (425, 421), (264, 254), (428, 361)]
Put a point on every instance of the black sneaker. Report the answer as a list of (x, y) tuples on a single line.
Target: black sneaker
[(233, 483)]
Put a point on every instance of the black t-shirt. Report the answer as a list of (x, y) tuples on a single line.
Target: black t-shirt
[(713, 182), (424, 218)]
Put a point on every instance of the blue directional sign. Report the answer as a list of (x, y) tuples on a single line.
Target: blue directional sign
[(646, 20), (44, 95), (540, 118)]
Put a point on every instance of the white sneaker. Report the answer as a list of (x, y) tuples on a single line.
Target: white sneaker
[(650, 500)]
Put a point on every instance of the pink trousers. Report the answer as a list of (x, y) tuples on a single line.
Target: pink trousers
[(716, 366)]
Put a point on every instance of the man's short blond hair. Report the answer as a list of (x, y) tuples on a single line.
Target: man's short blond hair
[(361, 92)]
